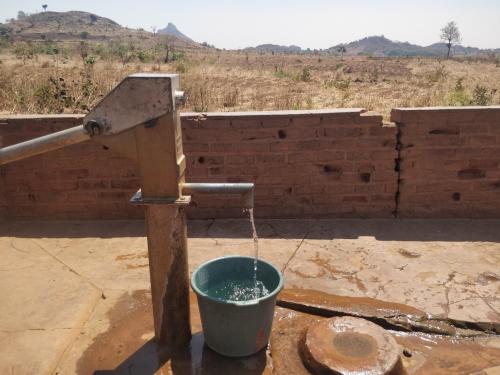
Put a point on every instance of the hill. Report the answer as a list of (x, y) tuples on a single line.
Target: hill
[(78, 25), (65, 26), (171, 29), (379, 46), (271, 48)]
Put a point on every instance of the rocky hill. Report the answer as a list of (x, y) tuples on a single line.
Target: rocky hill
[(65, 26), (78, 25), (172, 30)]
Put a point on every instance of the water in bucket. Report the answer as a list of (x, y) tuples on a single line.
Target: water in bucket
[(242, 290), (238, 290)]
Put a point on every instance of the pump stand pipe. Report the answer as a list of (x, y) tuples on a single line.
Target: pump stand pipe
[(244, 189)]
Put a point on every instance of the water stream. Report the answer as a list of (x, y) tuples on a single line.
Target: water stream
[(256, 250), (242, 290)]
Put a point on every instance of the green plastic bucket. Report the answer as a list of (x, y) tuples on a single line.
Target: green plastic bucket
[(236, 328)]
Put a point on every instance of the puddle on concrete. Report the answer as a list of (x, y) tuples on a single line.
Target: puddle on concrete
[(421, 354), (317, 301), (409, 254), (132, 256), (127, 347), (387, 314)]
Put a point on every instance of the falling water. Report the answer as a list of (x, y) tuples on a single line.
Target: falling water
[(242, 290), (256, 251)]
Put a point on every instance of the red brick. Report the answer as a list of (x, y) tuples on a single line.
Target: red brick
[(195, 147), (221, 147), (331, 155), (300, 157), (125, 184), (92, 184), (239, 159), (271, 158)]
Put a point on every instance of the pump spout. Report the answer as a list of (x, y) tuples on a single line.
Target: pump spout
[(244, 189)]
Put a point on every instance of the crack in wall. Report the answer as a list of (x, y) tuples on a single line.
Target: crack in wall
[(397, 168)]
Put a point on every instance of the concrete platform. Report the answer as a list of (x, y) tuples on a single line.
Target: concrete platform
[(64, 285)]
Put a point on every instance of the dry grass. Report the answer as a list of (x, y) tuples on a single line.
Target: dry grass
[(231, 81)]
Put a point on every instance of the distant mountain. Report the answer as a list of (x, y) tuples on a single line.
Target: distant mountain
[(379, 46), (171, 29), (269, 48)]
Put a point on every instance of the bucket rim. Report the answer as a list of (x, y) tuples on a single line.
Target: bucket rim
[(271, 295)]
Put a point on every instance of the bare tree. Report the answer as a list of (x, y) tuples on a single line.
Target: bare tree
[(341, 50), (153, 29), (44, 6), (169, 43), (450, 35)]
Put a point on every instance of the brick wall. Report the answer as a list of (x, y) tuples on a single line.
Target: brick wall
[(82, 181), (331, 163), (322, 163), (335, 163), (449, 162)]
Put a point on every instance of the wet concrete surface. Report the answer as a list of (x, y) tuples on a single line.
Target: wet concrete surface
[(127, 347), (387, 314), (420, 353), (66, 286)]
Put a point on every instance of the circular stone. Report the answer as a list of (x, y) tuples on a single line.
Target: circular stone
[(347, 345)]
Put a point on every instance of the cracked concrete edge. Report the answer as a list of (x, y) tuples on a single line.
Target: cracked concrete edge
[(298, 248), (99, 294), (71, 269), (73, 338)]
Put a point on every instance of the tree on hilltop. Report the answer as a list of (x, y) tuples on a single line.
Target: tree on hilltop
[(341, 50), (450, 35), (44, 6)]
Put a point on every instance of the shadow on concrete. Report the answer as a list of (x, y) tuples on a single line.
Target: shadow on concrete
[(454, 230), (198, 359)]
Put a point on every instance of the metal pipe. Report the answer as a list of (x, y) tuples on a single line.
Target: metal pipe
[(245, 189), (43, 144)]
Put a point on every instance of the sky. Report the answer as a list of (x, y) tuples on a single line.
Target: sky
[(308, 23)]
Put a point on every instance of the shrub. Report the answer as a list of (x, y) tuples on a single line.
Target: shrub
[(89, 60), (280, 73), (142, 56), (181, 68), (305, 76), (437, 74), (482, 95), (459, 96), (177, 56), (231, 98)]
